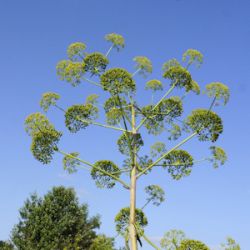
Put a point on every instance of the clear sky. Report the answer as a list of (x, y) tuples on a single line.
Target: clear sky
[(210, 204)]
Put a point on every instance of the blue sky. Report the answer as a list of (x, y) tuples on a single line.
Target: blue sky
[(210, 204)]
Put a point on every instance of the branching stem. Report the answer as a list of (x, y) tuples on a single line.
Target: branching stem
[(93, 166), (157, 104), (164, 155), (109, 50)]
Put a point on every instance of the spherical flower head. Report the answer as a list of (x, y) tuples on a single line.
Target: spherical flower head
[(155, 193), (71, 72), (192, 56), (143, 64), (96, 63), (122, 221), (154, 85), (206, 123), (76, 52), (218, 90), (117, 81), (180, 77), (44, 144), (76, 115), (103, 180), (116, 40), (178, 163), (48, 99)]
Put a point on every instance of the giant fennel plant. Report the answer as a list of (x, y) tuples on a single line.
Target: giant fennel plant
[(133, 122)]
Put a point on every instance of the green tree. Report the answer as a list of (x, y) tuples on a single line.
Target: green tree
[(192, 245), (230, 244), (5, 245), (56, 221), (101, 242), (128, 115), (172, 239)]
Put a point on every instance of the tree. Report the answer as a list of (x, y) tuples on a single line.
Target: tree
[(192, 245), (230, 244), (101, 242), (128, 115), (5, 245), (172, 239), (56, 221)]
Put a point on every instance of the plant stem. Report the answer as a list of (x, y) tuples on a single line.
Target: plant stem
[(102, 125), (146, 204), (157, 104), (93, 166), (163, 156), (109, 50), (93, 82), (146, 238), (136, 72), (132, 230)]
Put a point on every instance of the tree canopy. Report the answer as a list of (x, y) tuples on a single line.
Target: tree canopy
[(56, 221)]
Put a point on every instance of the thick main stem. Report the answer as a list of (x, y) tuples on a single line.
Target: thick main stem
[(132, 221)]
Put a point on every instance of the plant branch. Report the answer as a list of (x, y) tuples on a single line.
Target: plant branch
[(101, 125), (93, 166), (109, 50), (146, 238), (182, 164), (92, 82), (157, 104), (146, 203), (136, 72), (175, 147), (164, 155)]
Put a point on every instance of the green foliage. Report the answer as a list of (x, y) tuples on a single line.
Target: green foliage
[(117, 81), (144, 64), (192, 56), (167, 110), (155, 194), (37, 122), (128, 141), (218, 90), (44, 137), (157, 149), (172, 239), (195, 87), (122, 220), (154, 85), (206, 123), (95, 63), (178, 163), (92, 99), (103, 180), (180, 77), (75, 51), (169, 64), (101, 242), (219, 156), (230, 245), (115, 107), (48, 99), (77, 116), (5, 245), (154, 122), (175, 132), (116, 39), (44, 144), (71, 72), (70, 164), (56, 221), (192, 245)]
